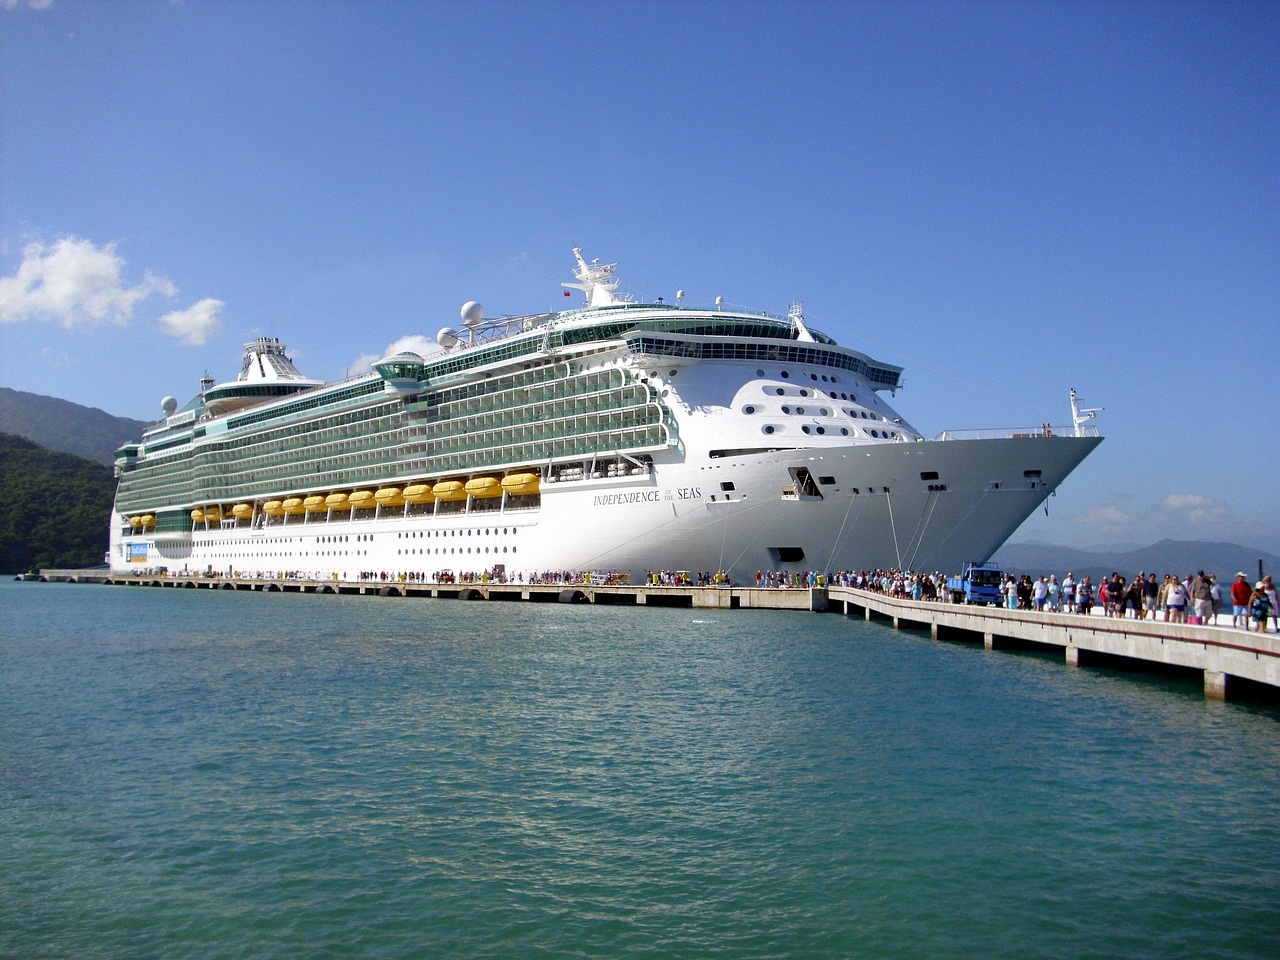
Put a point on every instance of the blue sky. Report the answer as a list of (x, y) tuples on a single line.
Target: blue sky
[(1007, 199)]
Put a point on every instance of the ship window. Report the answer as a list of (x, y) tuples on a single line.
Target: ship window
[(827, 481), (768, 428), (929, 475), (800, 410), (844, 431), (814, 376), (787, 554), (804, 393), (759, 373), (1031, 474), (821, 429), (748, 409), (805, 428), (780, 392), (726, 485), (785, 375)]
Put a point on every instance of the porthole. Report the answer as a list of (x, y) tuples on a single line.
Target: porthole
[(821, 429), (786, 409), (748, 409), (785, 375), (814, 376), (759, 373), (673, 373), (800, 410), (768, 428), (780, 392), (805, 428), (844, 431), (804, 393)]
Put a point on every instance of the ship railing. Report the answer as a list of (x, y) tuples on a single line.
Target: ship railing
[(1017, 433)]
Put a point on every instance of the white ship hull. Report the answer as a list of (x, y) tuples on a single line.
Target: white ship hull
[(878, 513)]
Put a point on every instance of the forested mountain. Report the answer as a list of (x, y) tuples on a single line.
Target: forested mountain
[(54, 508), (68, 427)]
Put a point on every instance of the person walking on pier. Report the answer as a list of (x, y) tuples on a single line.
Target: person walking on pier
[(1240, 595), (1260, 607), (1202, 597)]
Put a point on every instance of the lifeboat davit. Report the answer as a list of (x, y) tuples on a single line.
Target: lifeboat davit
[(362, 500), (314, 504), (390, 497), (419, 493), (293, 506), (242, 511), (484, 487), (337, 501), (273, 508), (450, 490), (521, 484)]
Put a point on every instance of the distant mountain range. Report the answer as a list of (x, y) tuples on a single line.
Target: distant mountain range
[(1166, 556), (67, 427)]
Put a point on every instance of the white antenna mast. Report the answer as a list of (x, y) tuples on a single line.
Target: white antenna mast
[(1081, 415)]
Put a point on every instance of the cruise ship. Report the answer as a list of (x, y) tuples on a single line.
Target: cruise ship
[(616, 438)]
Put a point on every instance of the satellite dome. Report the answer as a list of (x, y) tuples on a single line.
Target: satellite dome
[(472, 313), (168, 405), (447, 337)]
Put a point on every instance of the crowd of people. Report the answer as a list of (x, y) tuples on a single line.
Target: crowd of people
[(1198, 598)]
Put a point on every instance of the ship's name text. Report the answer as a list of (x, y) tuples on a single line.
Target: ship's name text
[(645, 496)]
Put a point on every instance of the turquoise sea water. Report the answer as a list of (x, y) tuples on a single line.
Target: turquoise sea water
[(213, 774)]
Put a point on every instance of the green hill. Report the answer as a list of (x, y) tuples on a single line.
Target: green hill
[(54, 508), (65, 426)]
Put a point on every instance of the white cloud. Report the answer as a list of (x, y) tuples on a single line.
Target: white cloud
[(194, 325), (1109, 518), (1177, 516), (1194, 512), (33, 4), (74, 282)]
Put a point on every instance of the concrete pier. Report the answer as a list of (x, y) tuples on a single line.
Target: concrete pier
[(1220, 654)]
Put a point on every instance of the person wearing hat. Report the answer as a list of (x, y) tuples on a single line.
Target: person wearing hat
[(1260, 607), (1240, 595)]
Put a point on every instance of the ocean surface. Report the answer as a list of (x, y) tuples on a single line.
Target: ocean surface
[(217, 774)]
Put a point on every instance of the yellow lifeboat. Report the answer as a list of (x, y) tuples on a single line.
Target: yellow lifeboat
[(314, 504), (242, 511), (148, 520), (450, 490), (135, 522), (337, 501), (520, 484), (197, 515), (293, 506), (419, 493), (484, 487), (390, 497), (213, 513), (362, 500), (273, 508)]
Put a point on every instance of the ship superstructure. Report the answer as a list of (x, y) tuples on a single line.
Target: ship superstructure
[(618, 436)]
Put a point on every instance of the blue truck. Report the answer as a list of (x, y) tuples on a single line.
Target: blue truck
[(980, 583)]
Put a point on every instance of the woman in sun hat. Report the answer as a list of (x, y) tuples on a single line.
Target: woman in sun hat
[(1260, 607)]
